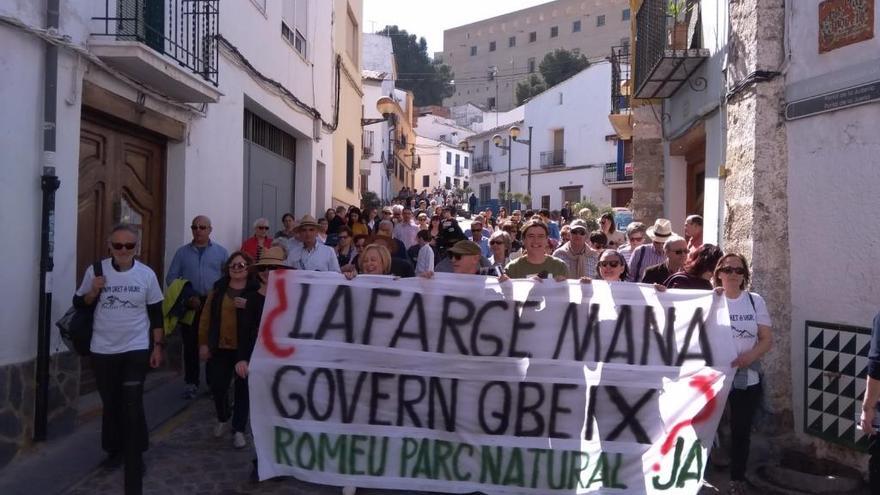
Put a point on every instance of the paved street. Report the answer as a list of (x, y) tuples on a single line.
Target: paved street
[(185, 458)]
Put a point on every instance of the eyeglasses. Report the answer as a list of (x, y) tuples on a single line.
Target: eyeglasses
[(268, 268), (730, 269), (119, 245), (263, 227), (238, 266), (496, 242), (679, 251), (609, 264), (200, 227), (579, 232)]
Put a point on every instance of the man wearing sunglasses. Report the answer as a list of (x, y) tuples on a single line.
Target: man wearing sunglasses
[(676, 250), (200, 263), (578, 256)]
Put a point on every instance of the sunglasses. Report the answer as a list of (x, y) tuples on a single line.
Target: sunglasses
[(199, 227), (119, 245), (262, 227), (679, 251), (268, 268), (238, 266), (579, 232), (729, 269), (456, 256), (496, 242), (610, 264)]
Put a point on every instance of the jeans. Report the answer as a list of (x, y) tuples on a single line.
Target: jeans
[(743, 403), (120, 381), (221, 369)]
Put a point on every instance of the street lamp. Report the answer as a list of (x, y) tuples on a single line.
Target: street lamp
[(385, 106), (514, 134), (499, 143)]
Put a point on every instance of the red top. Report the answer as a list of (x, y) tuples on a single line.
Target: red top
[(250, 246)]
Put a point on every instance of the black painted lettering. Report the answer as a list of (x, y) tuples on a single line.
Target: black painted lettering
[(581, 340), (299, 402), (519, 308), (330, 387), (450, 322), (446, 402), (415, 306), (665, 341), (628, 414), (624, 323), (503, 416), (498, 345), (300, 311), (405, 401), (555, 409), (346, 402), (341, 299), (523, 409), (374, 314), (377, 395), (705, 354)]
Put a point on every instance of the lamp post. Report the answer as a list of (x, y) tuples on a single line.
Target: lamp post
[(498, 140), (386, 106), (514, 134)]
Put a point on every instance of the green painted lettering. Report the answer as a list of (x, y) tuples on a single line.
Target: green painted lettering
[(423, 461), (381, 457), (513, 476), (354, 451), (694, 454), (442, 453), (335, 451), (490, 465), (305, 440), (679, 444), (600, 472), (283, 439), (456, 463), (536, 465), (563, 470), (615, 483), (407, 450)]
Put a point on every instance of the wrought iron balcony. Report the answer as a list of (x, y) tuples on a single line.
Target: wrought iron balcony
[(368, 143), (620, 79), (183, 30), (481, 164), (553, 159), (666, 55), (617, 174)]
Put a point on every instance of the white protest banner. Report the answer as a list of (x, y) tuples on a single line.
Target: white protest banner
[(460, 384)]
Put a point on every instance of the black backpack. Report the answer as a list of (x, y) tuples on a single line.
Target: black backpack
[(75, 326)]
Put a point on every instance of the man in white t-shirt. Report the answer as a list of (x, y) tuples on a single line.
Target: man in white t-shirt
[(128, 336)]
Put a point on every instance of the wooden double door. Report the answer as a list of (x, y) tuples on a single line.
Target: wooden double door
[(121, 180)]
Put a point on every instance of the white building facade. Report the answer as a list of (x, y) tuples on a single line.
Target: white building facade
[(150, 137), (441, 165), (570, 147)]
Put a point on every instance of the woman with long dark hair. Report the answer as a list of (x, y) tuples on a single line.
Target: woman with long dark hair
[(615, 238), (697, 270), (356, 222), (218, 343)]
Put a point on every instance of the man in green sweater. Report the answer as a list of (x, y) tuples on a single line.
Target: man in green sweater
[(536, 261)]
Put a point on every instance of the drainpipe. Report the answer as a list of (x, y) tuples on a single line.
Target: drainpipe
[(49, 184)]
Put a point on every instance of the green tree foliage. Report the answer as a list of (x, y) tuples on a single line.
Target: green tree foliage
[(429, 82), (561, 64), (532, 86)]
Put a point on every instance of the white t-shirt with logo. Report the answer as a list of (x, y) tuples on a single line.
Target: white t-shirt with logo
[(121, 321), (744, 321)]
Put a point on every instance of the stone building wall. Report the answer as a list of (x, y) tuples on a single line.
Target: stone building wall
[(17, 393), (647, 199), (755, 190)]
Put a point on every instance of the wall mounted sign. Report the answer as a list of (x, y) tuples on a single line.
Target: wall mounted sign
[(835, 100), (844, 22)]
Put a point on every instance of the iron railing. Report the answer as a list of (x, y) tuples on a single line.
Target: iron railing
[(368, 143), (553, 159), (185, 30), (620, 74), (617, 173), (651, 25), (482, 164)]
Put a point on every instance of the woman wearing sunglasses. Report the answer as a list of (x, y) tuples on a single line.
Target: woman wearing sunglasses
[(752, 336), (611, 266), (127, 338), (218, 344), (258, 242)]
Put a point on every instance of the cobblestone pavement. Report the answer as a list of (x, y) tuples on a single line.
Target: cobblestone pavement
[(185, 458)]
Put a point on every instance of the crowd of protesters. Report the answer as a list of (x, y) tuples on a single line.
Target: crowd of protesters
[(219, 296)]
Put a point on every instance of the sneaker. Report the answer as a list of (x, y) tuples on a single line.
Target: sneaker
[(220, 429), (238, 440), (737, 488), (190, 391)]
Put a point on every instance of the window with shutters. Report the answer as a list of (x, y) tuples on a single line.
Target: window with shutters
[(294, 24)]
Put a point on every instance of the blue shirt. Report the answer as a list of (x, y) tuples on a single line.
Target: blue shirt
[(201, 267), (553, 230)]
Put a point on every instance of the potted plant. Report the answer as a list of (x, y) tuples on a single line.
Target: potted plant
[(677, 24)]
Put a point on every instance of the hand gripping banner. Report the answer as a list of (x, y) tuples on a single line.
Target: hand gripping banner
[(460, 383)]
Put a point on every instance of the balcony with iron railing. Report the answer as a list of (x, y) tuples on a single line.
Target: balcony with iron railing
[(481, 164), (618, 174), (169, 45), (668, 48), (620, 79), (367, 143), (553, 159)]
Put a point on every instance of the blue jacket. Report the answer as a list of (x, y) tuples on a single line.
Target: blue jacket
[(202, 269)]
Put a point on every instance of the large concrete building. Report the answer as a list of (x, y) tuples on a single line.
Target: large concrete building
[(511, 46)]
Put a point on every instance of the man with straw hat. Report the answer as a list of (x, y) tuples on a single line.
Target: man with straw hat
[(648, 255), (311, 255)]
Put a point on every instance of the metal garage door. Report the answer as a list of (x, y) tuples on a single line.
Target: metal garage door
[(269, 172)]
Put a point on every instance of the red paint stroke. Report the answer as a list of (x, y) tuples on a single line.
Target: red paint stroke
[(266, 329), (704, 384)]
